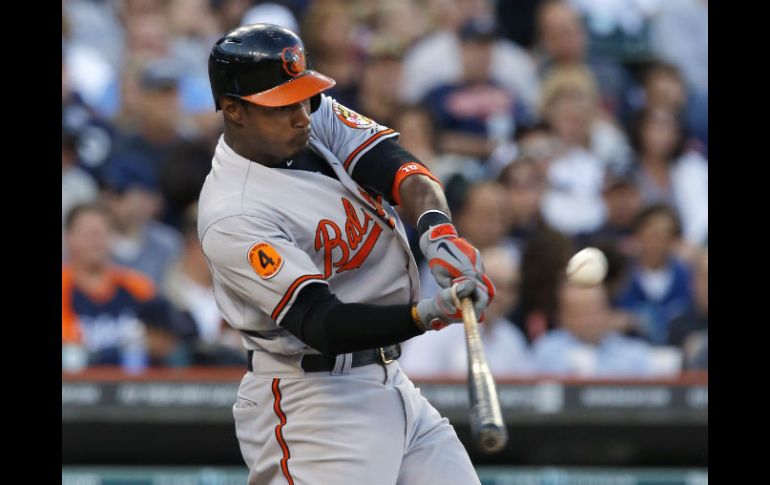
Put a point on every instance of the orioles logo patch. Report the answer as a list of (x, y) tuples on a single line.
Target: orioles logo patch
[(265, 260), (293, 61), (351, 118)]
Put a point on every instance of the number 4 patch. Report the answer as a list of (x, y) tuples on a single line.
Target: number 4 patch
[(265, 260)]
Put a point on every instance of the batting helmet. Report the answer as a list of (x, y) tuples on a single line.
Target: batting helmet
[(264, 64)]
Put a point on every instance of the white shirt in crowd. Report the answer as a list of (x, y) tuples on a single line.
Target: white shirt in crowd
[(561, 353), (573, 202), (443, 353)]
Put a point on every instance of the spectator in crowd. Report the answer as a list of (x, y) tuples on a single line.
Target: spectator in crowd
[(106, 308), (181, 179), (474, 114), (148, 40), (619, 29), (481, 218), (418, 136), (586, 344), (229, 13), (563, 42), (194, 30), (687, 330), (270, 13), (524, 186), (157, 130), (569, 104), (664, 87), (436, 60), (622, 203), (377, 95), (141, 242), (542, 269), (536, 142), (188, 286), (517, 21), (91, 136), (590, 146), (171, 336), (504, 345), (327, 30), (572, 202), (680, 36), (400, 19), (659, 285), (615, 282), (92, 44), (669, 173), (147, 37), (76, 185)]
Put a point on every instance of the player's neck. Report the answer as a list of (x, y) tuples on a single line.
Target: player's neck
[(247, 152)]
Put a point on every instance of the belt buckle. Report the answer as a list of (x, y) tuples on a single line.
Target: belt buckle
[(384, 359)]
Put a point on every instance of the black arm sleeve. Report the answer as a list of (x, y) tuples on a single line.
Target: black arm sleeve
[(376, 169), (323, 322)]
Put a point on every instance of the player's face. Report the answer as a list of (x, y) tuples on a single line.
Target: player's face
[(278, 133)]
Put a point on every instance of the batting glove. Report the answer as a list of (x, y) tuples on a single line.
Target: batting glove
[(450, 257), (444, 308)]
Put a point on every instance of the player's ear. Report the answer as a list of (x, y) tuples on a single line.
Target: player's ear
[(233, 109)]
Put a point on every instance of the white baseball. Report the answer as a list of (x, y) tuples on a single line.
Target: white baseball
[(587, 267)]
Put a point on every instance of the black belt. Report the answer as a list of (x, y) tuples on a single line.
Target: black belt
[(322, 363)]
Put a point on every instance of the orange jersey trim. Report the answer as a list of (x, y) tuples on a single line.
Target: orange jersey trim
[(365, 144), (406, 170), (290, 292)]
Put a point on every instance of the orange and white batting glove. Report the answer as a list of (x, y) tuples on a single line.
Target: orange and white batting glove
[(449, 256), (444, 308)]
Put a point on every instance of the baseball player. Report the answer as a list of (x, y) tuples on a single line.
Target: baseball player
[(311, 264)]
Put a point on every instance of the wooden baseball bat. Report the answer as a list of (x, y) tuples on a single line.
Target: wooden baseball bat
[(487, 426)]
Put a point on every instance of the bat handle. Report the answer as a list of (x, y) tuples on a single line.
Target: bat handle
[(466, 305)]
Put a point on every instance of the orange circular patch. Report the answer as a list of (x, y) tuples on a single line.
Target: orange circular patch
[(351, 118), (265, 260)]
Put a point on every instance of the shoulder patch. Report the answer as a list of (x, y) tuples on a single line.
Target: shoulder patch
[(351, 118), (265, 260)]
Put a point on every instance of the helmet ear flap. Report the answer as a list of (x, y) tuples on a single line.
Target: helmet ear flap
[(315, 103)]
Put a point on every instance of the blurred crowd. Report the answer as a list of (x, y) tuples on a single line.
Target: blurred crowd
[(553, 125)]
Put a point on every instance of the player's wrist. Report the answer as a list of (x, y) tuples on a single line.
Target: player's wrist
[(433, 225), (416, 317), (431, 218)]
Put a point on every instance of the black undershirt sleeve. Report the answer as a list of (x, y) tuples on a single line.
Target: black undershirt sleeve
[(323, 322), (376, 169)]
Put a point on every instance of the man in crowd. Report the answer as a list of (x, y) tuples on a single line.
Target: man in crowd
[(586, 344)]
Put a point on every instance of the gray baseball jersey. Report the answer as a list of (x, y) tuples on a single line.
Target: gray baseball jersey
[(267, 232)]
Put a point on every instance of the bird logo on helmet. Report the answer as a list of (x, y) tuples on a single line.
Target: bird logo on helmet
[(293, 60)]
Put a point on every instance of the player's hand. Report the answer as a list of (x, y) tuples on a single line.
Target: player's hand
[(450, 257), (444, 308)]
